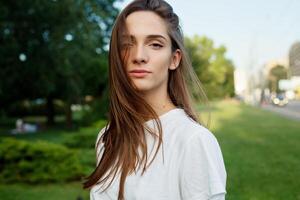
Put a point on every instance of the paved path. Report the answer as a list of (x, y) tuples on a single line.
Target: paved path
[(291, 110)]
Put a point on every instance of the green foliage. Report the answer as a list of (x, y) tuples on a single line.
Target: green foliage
[(37, 162), (277, 73), (33, 108), (214, 70), (63, 191), (86, 138), (57, 48)]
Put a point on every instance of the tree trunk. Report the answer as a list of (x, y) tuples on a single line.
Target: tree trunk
[(50, 111), (69, 121)]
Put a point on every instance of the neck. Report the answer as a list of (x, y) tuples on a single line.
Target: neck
[(159, 101)]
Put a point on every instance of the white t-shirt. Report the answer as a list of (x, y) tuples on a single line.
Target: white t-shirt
[(193, 167)]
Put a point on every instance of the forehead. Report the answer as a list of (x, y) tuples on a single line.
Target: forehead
[(143, 23)]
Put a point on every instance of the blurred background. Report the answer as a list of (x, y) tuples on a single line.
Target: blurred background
[(54, 92)]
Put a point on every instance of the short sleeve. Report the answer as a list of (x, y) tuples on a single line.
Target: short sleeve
[(99, 145), (202, 172)]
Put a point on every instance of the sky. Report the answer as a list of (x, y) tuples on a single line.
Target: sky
[(254, 32)]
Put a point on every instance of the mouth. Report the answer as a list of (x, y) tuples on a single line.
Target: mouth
[(139, 73)]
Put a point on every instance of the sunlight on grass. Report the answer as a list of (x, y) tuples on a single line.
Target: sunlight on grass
[(260, 150)]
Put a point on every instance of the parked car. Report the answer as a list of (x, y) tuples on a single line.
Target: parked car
[(280, 100)]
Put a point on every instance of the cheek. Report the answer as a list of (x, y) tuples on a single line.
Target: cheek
[(162, 61)]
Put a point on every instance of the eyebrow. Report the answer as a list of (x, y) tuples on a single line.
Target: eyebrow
[(156, 36), (153, 36)]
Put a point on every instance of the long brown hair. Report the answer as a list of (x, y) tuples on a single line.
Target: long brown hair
[(128, 111)]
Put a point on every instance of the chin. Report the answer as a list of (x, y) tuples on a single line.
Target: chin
[(142, 89), (141, 86)]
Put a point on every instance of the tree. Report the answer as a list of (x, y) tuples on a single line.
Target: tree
[(214, 70), (54, 50), (276, 73)]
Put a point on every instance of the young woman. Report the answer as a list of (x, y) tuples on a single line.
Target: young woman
[(153, 147)]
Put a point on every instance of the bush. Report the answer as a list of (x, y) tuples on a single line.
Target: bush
[(85, 139), (81, 140), (37, 162)]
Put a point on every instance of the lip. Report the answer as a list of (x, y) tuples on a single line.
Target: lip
[(139, 73)]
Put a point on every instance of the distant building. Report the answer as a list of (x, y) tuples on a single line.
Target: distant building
[(294, 59), (244, 86), (240, 82)]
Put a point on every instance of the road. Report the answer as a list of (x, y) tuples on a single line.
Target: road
[(291, 110)]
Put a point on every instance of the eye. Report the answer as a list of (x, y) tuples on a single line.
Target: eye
[(156, 45)]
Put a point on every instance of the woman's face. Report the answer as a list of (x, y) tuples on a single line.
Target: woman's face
[(149, 55)]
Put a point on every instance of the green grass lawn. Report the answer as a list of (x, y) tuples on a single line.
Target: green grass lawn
[(69, 191), (261, 152), (260, 149)]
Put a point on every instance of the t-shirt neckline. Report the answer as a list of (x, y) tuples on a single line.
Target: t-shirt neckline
[(166, 115)]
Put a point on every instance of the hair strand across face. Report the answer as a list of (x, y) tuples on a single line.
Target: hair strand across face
[(128, 111)]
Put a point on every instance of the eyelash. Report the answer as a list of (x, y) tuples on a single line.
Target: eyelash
[(156, 45)]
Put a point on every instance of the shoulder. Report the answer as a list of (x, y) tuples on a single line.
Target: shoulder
[(100, 134), (201, 134), (187, 131), (99, 145), (201, 140), (192, 131)]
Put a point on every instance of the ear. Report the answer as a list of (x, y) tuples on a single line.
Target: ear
[(175, 60)]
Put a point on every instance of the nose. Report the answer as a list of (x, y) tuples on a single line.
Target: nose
[(140, 55)]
